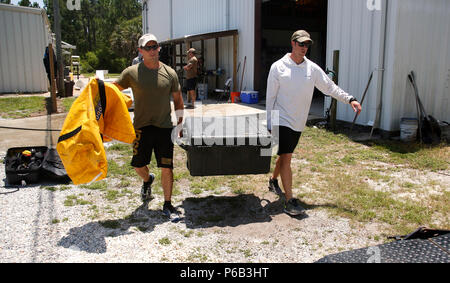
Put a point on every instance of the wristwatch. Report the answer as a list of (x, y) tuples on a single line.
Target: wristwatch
[(351, 100)]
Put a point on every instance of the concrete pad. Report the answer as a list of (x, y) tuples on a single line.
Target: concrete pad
[(19, 138)]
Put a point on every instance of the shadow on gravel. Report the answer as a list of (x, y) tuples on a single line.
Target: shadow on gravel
[(223, 211), (9, 189), (91, 237)]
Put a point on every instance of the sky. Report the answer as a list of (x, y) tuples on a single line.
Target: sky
[(40, 2)]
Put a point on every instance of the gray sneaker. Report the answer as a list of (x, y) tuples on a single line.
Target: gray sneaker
[(146, 189), (171, 212), (293, 207), (274, 187)]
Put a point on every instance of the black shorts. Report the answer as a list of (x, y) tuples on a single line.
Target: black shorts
[(153, 138), (287, 139), (191, 84)]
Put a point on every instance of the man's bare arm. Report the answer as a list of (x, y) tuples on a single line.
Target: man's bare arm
[(179, 106)]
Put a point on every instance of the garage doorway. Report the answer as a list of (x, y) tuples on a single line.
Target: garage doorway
[(277, 20)]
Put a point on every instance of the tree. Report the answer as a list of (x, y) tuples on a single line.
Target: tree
[(124, 39), (92, 28), (35, 5), (5, 1), (25, 3)]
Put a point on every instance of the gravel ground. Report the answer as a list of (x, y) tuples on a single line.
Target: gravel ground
[(37, 226)]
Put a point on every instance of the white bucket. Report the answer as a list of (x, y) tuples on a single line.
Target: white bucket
[(408, 129)]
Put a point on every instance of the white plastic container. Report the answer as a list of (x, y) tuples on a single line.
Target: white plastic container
[(408, 129)]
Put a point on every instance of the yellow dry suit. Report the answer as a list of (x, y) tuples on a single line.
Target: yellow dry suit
[(99, 114)]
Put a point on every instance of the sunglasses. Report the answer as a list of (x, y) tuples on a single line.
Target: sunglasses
[(151, 47), (304, 44)]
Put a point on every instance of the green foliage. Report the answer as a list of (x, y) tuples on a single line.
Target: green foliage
[(124, 39), (91, 59), (92, 28), (25, 3)]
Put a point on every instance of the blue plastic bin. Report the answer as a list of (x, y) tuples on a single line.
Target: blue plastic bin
[(249, 97)]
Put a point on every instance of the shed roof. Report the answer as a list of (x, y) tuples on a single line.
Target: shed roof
[(203, 36)]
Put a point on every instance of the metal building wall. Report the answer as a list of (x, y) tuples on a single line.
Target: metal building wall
[(418, 39), (357, 33), (170, 19), (159, 18), (23, 38)]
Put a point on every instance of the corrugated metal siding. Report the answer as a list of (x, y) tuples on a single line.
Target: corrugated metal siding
[(355, 31), (158, 16), (191, 17), (418, 39), (21, 66)]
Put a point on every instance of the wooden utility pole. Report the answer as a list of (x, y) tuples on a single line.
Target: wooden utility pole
[(59, 59), (333, 107), (52, 79)]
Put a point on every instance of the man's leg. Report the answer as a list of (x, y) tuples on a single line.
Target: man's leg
[(192, 96), (284, 170), (167, 183), (143, 172), (276, 170)]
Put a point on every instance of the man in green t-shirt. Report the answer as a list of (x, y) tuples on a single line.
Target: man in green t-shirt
[(153, 83)]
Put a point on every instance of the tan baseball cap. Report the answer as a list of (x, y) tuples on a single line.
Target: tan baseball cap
[(301, 36), (146, 38), (191, 50)]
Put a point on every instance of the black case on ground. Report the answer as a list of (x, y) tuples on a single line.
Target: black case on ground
[(30, 174), (47, 166)]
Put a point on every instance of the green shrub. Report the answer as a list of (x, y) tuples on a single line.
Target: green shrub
[(92, 59)]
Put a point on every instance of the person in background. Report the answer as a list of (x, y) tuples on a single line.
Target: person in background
[(138, 59), (191, 74)]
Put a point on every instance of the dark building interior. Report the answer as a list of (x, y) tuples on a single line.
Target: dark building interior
[(277, 20)]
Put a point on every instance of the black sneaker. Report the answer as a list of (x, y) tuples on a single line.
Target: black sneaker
[(293, 207), (273, 186), (170, 211), (146, 189)]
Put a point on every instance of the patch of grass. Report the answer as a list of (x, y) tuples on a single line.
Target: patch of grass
[(73, 200), (408, 185), (124, 183), (356, 200), (164, 241), (100, 185), (187, 234), (197, 256), (112, 195), (124, 149), (247, 252), (64, 188), (238, 191), (21, 107), (51, 189), (124, 170), (376, 176), (67, 102)]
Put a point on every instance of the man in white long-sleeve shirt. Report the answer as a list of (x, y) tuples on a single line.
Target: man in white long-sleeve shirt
[(290, 88)]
